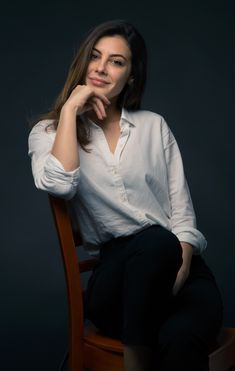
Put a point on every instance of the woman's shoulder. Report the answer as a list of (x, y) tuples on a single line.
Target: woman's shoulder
[(43, 126)]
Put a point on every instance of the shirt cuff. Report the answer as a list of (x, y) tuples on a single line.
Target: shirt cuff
[(65, 182), (194, 237), (54, 163)]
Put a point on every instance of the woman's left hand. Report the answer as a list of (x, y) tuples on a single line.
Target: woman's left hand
[(185, 267)]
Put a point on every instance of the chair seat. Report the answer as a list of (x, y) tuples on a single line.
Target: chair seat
[(223, 357), (95, 338), (227, 336)]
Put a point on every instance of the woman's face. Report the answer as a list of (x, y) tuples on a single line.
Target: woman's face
[(110, 66)]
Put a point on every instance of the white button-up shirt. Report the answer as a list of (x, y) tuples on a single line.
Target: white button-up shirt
[(112, 195)]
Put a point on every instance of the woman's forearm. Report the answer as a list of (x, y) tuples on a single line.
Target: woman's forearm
[(187, 252), (65, 147)]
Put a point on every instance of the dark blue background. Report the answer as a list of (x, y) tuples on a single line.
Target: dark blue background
[(190, 82)]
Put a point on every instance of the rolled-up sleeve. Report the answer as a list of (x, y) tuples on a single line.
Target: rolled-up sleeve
[(49, 174), (183, 219)]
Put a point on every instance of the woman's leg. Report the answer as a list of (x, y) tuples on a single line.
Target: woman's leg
[(154, 257), (192, 323), (130, 288), (138, 358)]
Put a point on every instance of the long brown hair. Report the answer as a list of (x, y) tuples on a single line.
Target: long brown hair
[(129, 98)]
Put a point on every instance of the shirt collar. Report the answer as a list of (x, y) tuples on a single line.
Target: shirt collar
[(126, 116)]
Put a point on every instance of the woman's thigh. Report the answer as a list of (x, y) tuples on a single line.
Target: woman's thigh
[(127, 268), (103, 297)]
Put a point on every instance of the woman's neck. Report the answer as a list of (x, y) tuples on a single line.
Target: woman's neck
[(113, 115)]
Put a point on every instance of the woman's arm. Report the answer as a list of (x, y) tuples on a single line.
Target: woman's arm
[(48, 173), (187, 253), (65, 147), (182, 215), (54, 154), (183, 219)]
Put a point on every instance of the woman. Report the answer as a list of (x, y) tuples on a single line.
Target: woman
[(121, 170)]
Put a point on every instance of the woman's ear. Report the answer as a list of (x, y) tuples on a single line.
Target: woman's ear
[(130, 81)]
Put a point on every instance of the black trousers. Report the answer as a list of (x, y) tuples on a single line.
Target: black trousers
[(129, 296)]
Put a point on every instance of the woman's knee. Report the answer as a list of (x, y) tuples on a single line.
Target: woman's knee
[(157, 244)]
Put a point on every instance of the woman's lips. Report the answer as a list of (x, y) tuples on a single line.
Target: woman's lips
[(98, 82)]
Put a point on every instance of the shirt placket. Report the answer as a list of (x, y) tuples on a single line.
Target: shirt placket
[(113, 160), (125, 132)]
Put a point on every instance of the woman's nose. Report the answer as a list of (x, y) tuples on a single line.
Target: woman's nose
[(101, 66)]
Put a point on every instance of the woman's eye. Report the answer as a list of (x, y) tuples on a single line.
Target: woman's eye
[(117, 62), (94, 56)]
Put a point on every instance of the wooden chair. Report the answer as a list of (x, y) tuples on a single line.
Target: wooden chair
[(89, 349)]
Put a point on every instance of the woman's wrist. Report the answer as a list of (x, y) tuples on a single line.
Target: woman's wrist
[(187, 253), (68, 109), (67, 115)]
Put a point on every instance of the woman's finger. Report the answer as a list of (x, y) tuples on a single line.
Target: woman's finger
[(82, 95), (100, 106), (97, 110), (103, 98)]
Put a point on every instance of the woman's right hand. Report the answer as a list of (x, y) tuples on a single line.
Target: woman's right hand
[(83, 98)]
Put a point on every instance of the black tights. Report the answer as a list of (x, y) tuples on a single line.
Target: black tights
[(129, 296)]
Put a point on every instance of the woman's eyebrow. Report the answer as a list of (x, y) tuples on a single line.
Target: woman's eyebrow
[(111, 55)]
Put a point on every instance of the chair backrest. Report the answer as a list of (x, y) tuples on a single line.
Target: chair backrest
[(68, 240)]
